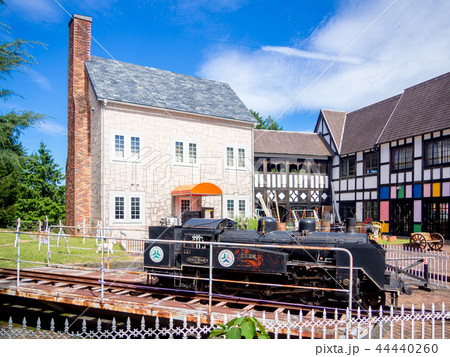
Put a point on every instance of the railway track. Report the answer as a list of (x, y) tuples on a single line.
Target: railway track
[(117, 286), (122, 287), (129, 294)]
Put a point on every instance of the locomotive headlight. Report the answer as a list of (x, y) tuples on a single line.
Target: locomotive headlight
[(346, 282)]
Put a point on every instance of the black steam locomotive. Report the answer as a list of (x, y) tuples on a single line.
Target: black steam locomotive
[(300, 266)]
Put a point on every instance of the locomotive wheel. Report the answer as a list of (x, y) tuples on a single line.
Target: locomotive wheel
[(418, 241), (374, 300), (315, 297), (200, 285), (223, 288), (436, 241)]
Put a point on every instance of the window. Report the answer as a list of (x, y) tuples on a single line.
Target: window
[(127, 207), (371, 210), (192, 153), (347, 210), (119, 208), (179, 153), (241, 158), (230, 209), (126, 147), (135, 208), (135, 145), (186, 153), (348, 166), (119, 146), (437, 152), (242, 208), (230, 157), (185, 205), (235, 157), (370, 163), (235, 206), (402, 158)]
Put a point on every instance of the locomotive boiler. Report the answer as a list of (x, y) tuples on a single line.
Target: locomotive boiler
[(302, 266)]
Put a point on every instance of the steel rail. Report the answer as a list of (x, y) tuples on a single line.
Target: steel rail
[(138, 288)]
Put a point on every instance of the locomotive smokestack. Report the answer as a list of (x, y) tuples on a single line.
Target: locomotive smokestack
[(351, 225)]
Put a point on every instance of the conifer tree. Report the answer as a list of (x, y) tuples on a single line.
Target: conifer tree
[(13, 58), (41, 192)]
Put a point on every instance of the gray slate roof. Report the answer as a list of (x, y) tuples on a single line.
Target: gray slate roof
[(130, 83)]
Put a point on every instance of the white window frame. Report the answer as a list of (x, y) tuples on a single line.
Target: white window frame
[(127, 198), (236, 200), (186, 158), (236, 157), (128, 155)]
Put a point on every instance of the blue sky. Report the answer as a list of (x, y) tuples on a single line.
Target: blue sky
[(286, 59)]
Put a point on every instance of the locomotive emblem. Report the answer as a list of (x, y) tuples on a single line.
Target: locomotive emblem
[(226, 258), (156, 254)]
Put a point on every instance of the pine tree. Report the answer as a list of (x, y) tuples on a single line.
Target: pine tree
[(41, 192), (13, 58), (268, 124)]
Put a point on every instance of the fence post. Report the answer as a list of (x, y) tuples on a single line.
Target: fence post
[(18, 252), (103, 262), (210, 278), (48, 250)]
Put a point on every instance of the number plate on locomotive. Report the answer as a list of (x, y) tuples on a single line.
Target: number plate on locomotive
[(197, 260)]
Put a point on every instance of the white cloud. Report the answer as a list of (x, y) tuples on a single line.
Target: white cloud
[(52, 128), (38, 78), (289, 51), (38, 11), (54, 11), (407, 45)]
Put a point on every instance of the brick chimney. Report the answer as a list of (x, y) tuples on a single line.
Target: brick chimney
[(78, 195)]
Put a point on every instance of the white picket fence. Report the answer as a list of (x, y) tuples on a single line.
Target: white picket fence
[(411, 324)]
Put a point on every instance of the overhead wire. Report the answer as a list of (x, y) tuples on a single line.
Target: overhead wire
[(289, 106)]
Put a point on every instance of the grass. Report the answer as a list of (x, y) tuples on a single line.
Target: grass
[(29, 251)]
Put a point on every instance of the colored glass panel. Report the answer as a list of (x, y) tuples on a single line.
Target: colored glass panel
[(393, 191), (384, 210), (384, 193), (401, 191), (417, 228), (446, 189), (437, 189), (408, 192), (384, 227), (427, 190), (417, 191)]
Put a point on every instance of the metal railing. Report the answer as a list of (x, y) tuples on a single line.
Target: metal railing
[(402, 256), (104, 239)]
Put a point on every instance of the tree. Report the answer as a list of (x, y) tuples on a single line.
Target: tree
[(13, 58), (41, 192), (269, 123)]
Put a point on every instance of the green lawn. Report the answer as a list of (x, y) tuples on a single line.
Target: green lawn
[(29, 251)]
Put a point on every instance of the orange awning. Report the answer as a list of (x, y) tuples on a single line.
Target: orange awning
[(201, 189)]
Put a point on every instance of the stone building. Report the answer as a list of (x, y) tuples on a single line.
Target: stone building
[(146, 144)]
